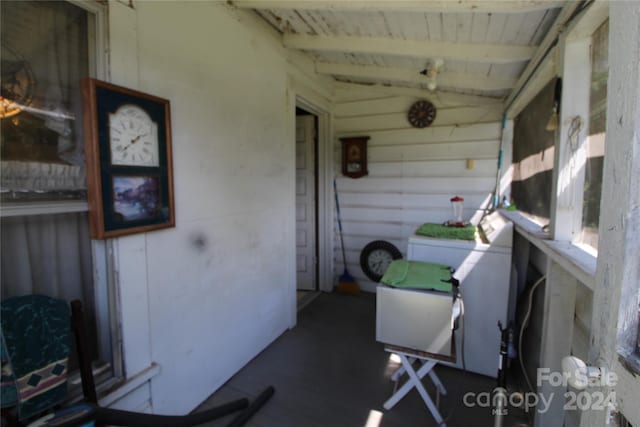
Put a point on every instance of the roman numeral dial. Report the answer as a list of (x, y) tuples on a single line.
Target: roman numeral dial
[(133, 137)]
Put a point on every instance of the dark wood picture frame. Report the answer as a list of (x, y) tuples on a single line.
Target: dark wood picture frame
[(126, 198), (354, 156)]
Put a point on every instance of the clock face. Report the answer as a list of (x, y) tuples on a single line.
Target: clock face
[(376, 257), (421, 114), (133, 137), (379, 260)]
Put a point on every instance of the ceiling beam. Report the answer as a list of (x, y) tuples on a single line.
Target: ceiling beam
[(547, 45), (438, 97), (539, 79), (444, 79), (487, 53), (479, 6), (589, 20)]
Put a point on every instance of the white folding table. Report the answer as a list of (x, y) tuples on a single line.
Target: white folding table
[(428, 361)]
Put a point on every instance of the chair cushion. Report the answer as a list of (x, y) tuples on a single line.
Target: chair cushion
[(36, 332)]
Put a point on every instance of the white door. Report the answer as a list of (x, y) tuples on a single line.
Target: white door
[(305, 204)]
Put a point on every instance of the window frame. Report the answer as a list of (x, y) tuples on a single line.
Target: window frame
[(615, 325), (102, 252), (580, 261), (569, 182), (567, 190), (568, 185)]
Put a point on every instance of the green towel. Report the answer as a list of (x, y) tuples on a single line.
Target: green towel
[(443, 232), (418, 275)]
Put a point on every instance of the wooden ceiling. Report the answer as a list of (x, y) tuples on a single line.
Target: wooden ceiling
[(470, 47)]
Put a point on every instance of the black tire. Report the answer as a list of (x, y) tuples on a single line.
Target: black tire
[(369, 249)]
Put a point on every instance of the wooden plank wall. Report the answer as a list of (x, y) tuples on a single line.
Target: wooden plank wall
[(412, 172)]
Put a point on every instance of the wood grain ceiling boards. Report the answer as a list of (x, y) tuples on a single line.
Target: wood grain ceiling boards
[(485, 45)]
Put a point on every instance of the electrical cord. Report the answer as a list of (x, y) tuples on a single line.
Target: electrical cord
[(464, 364), (524, 326)]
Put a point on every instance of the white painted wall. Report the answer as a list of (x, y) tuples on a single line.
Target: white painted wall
[(204, 298), (413, 173)]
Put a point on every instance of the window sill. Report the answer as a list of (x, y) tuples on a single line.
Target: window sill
[(577, 261), (630, 362), (525, 225), (120, 389), (8, 209)]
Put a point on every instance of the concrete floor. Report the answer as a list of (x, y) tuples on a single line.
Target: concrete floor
[(330, 372), (303, 298)]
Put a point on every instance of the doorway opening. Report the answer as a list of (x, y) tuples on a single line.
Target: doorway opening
[(307, 248)]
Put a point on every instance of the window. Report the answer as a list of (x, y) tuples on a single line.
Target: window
[(46, 50), (596, 139), (533, 157), (44, 56)]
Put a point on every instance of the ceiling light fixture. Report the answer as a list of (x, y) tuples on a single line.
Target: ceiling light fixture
[(431, 72)]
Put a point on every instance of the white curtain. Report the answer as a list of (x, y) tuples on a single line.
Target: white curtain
[(49, 255)]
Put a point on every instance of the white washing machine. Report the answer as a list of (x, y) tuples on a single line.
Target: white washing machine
[(483, 268)]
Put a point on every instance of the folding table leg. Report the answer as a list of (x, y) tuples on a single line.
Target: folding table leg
[(432, 374), (425, 396), (407, 386), (398, 372), (437, 382)]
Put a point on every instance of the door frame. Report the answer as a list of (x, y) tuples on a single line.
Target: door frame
[(324, 195)]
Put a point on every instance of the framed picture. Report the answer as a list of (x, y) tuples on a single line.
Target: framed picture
[(129, 162)]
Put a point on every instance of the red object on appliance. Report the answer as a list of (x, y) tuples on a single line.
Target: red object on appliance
[(456, 205)]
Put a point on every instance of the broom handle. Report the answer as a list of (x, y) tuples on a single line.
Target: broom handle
[(335, 192)]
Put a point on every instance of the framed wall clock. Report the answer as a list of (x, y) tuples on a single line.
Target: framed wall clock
[(129, 161), (354, 156), (421, 114)]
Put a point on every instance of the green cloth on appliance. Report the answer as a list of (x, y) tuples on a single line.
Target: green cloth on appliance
[(443, 232), (417, 275)]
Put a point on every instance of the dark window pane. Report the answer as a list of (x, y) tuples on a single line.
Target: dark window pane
[(533, 156)]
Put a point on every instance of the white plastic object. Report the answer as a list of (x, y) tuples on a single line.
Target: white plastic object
[(578, 373)]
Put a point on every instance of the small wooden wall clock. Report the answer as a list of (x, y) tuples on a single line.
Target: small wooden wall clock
[(129, 162), (354, 156)]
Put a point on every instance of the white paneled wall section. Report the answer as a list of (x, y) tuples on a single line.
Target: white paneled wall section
[(412, 172)]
